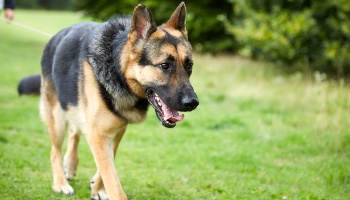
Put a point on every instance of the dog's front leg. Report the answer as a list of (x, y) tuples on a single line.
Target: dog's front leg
[(103, 148)]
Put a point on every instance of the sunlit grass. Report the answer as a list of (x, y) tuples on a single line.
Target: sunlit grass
[(258, 133)]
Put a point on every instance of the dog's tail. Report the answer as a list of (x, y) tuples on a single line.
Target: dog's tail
[(30, 85)]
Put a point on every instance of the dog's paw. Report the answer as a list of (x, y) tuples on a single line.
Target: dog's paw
[(63, 189), (99, 195), (70, 167), (69, 174), (98, 191)]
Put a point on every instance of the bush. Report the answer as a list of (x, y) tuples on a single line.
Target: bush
[(314, 34), (206, 33), (27, 4)]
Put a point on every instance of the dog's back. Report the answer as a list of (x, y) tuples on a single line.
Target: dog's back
[(60, 63)]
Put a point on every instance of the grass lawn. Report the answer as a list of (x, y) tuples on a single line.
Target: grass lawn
[(258, 133)]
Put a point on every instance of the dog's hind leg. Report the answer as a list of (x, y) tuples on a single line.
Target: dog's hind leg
[(53, 116), (57, 133), (71, 156)]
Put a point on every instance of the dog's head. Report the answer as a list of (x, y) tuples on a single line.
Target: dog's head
[(160, 64)]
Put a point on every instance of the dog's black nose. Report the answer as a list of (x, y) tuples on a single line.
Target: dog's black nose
[(190, 103)]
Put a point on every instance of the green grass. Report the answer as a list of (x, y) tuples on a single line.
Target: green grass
[(258, 133)]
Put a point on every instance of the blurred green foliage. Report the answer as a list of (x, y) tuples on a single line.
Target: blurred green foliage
[(309, 33), (206, 33), (313, 34)]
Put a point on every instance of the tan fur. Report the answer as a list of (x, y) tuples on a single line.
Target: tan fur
[(71, 157), (172, 31), (157, 34), (131, 70), (139, 74)]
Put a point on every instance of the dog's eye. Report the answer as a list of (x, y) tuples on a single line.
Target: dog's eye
[(164, 65)]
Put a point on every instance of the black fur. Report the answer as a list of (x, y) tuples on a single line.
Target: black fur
[(171, 39), (105, 44), (60, 62), (144, 60)]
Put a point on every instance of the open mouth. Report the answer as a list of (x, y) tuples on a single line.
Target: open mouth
[(166, 115)]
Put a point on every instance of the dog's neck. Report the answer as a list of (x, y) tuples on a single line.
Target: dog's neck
[(104, 57)]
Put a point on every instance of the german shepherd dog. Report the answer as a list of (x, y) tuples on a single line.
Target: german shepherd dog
[(99, 77)]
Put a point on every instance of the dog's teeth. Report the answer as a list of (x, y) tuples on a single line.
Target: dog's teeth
[(158, 101), (167, 122)]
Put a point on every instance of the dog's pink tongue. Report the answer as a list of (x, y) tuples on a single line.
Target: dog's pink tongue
[(175, 117), (171, 115)]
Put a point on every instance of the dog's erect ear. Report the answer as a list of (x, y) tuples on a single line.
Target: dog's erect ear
[(142, 24), (178, 19)]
